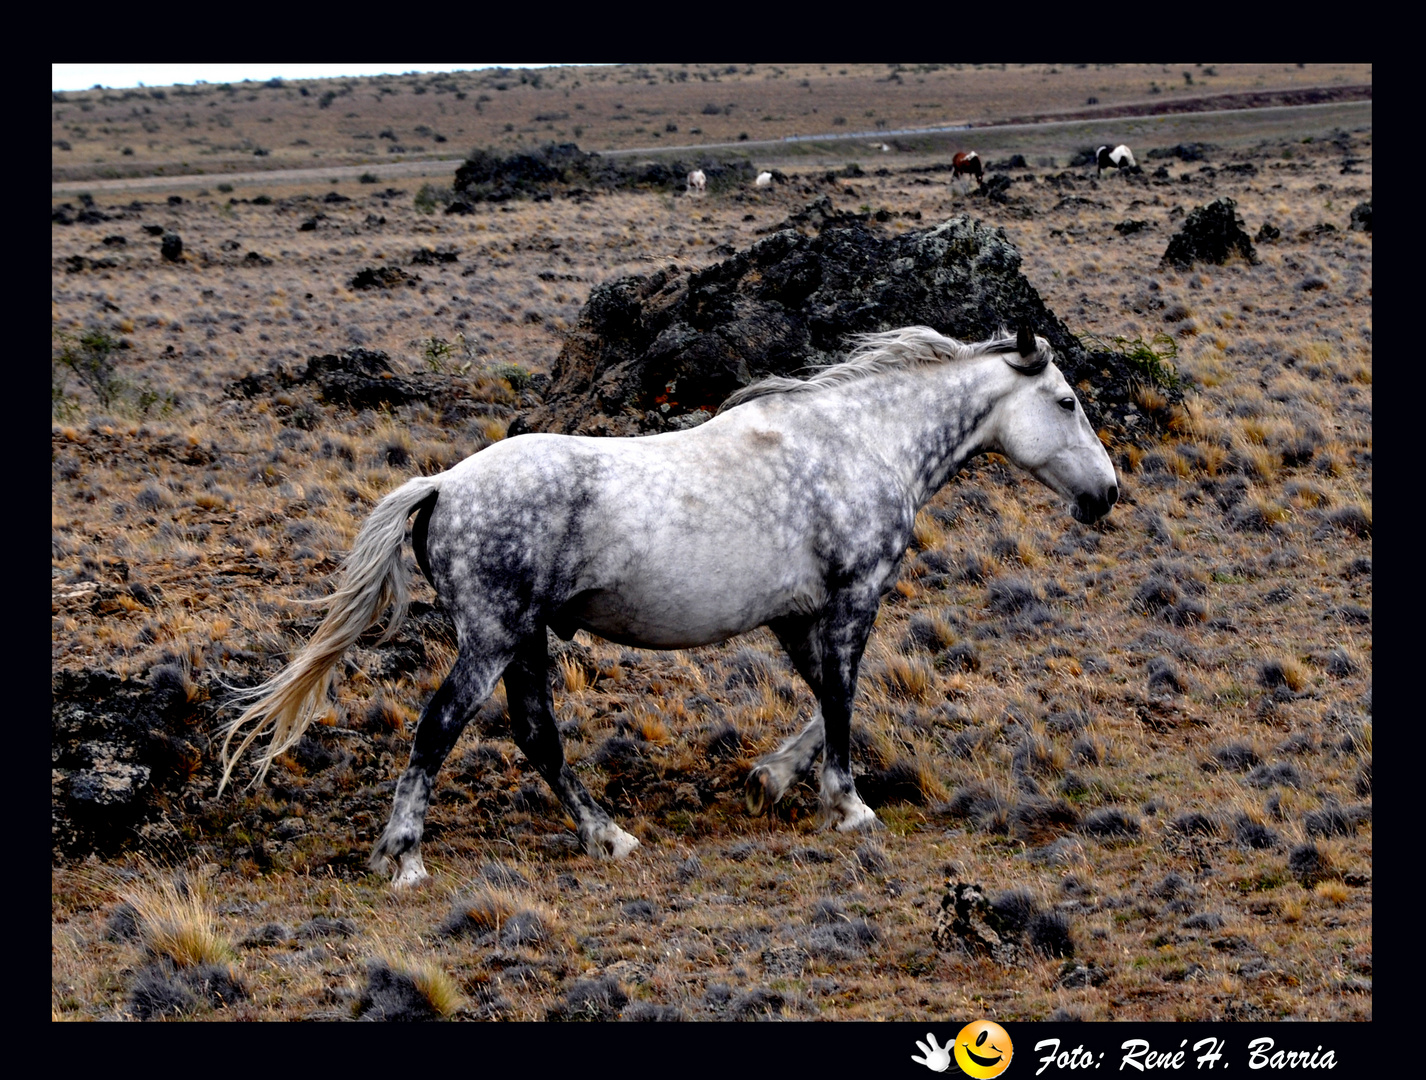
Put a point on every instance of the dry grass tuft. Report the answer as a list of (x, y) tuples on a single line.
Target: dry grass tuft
[(175, 921), (386, 713), (431, 985), (1332, 891), (1285, 671), (650, 726), (573, 674), (483, 909), (904, 678), (927, 533), (1150, 398), (1290, 909)]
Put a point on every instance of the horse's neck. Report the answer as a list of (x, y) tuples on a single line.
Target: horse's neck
[(923, 423)]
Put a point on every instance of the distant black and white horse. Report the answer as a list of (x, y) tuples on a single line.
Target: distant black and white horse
[(698, 182), (1121, 157), (791, 509), (968, 163)]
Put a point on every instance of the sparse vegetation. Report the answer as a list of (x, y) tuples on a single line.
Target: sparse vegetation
[(1152, 359), (90, 357), (431, 197)]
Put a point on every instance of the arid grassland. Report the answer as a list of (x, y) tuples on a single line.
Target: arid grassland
[(1148, 741), (240, 127)]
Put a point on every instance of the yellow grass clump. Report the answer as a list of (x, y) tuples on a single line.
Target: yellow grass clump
[(431, 981), (175, 921)]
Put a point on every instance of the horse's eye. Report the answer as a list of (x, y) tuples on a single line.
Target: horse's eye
[(1067, 404)]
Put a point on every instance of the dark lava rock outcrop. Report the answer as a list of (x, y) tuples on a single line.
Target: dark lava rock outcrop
[(1210, 234), (116, 746), (135, 761), (360, 379), (659, 352), (486, 176), (384, 277)]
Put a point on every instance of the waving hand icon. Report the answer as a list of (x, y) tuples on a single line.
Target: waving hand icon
[(938, 1058)]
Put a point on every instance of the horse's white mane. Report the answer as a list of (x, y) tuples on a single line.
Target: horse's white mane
[(874, 353)]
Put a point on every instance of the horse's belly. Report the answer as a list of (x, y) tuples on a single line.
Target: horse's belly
[(654, 616), (615, 623)]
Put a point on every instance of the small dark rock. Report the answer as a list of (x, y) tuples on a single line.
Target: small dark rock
[(600, 998), (1307, 865), (1110, 821), (385, 277)]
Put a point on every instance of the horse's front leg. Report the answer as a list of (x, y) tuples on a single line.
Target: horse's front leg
[(844, 640), (532, 721)]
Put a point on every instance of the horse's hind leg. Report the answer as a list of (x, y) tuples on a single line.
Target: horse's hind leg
[(532, 721), (774, 773), (442, 720)]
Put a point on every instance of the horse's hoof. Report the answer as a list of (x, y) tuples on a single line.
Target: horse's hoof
[(860, 818), (758, 793), (412, 871), (609, 842)]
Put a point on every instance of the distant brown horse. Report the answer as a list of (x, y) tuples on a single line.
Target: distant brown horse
[(967, 163)]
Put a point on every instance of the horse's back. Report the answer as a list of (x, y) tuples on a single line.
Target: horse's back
[(668, 540)]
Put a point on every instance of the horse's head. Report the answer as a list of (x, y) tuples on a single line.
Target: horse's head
[(1040, 426)]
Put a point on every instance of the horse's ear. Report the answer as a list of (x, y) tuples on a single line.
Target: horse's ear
[(1025, 341), (1030, 360)]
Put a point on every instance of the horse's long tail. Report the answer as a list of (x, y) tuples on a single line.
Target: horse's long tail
[(373, 580)]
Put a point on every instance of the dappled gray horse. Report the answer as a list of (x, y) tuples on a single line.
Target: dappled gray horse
[(790, 509)]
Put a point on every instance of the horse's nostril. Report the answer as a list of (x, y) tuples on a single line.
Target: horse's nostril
[(1112, 495)]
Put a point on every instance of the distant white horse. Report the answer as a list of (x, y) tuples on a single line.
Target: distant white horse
[(791, 509), (764, 180), (697, 182), (1121, 157)]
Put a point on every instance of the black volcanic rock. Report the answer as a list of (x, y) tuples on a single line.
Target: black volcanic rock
[(659, 352), (1210, 234), (486, 176)]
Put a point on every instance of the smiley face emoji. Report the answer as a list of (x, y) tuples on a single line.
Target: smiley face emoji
[(983, 1049)]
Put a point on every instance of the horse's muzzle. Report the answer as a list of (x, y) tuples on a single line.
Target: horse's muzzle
[(1089, 508)]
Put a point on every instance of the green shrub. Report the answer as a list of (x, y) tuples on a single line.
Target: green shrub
[(430, 198), (435, 351), (1153, 360), (90, 357), (518, 377), (150, 399)]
